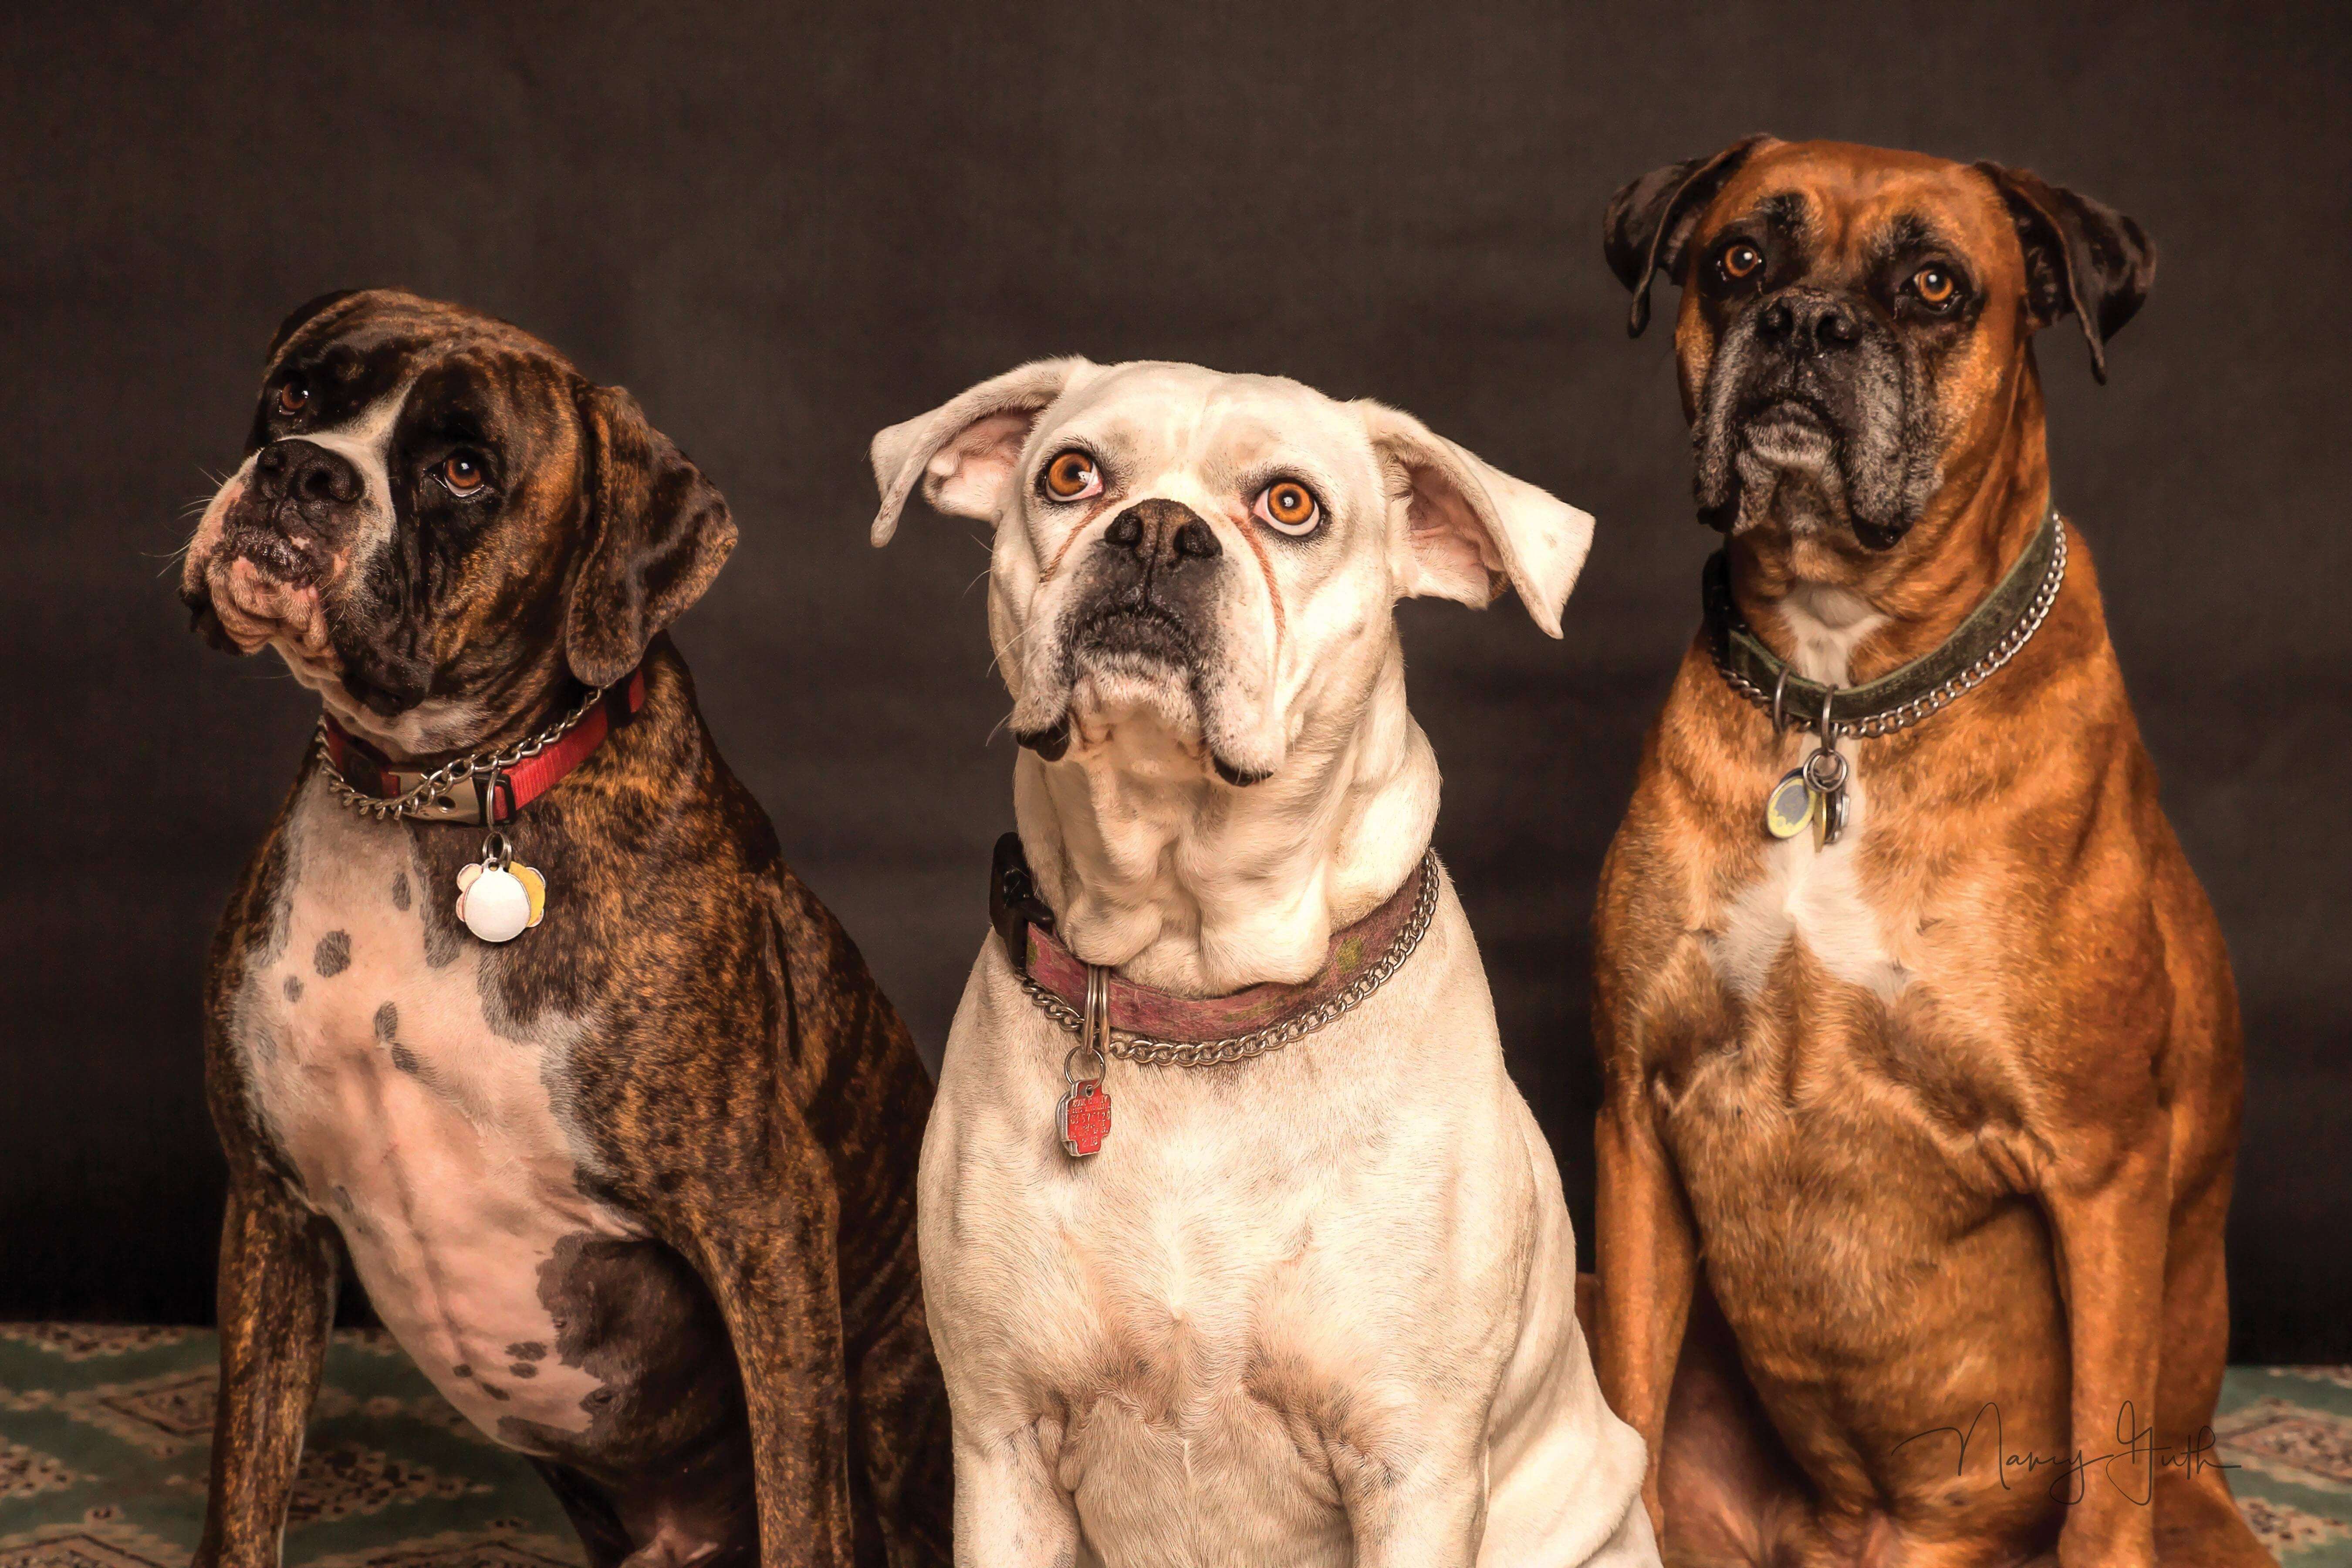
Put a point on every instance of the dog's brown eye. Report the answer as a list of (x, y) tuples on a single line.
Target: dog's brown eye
[(1072, 476), (1741, 261), (1289, 506), (1934, 285), (462, 472), (294, 397)]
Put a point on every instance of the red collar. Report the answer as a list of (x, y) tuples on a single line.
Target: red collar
[(369, 771)]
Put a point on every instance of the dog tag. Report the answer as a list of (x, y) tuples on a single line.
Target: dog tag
[(1789, 809), (501, 898), (1829, 821), (1083, 1118)]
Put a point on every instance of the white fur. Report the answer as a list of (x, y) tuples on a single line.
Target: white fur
[(1828, 624), (1191, 884), (1812, 895), (1808, 893), (1318, 1309), (453, 1182)]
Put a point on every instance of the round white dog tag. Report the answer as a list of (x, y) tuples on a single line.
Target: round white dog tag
[(498, 904)]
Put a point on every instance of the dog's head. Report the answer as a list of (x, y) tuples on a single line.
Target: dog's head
[(1854, 321), (437, 520), (1219, 551)]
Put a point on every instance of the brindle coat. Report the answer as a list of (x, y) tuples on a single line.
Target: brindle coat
[(1916, 1151), (715, 1111)]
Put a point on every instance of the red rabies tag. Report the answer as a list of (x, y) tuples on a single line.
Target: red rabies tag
[(1083, 1118)]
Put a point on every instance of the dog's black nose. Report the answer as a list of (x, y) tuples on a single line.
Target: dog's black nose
[(1163, 534), (1808, 324), (305, 472)]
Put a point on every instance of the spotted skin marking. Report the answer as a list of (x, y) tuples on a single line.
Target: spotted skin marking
[(463, 1369), (400, 891), (523, 1369), (405, 1059), (333, 955), (529, 1350), (387, 1023), (293, 988)]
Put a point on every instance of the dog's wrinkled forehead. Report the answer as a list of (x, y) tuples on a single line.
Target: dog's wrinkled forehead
[(1160, 425), (344, 362), (1849, 209)]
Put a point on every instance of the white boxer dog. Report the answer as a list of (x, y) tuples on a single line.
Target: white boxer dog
[(1315, 1305)]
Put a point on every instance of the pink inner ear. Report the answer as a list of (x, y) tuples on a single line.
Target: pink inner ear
[(968, 474), (1453, 557)]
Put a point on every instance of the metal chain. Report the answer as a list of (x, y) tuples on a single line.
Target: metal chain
[(417, 799), (1910, 713), (1143, 1049)]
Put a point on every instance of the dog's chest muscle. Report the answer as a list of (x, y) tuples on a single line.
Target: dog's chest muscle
[(429, 1137), (1836, 1069)]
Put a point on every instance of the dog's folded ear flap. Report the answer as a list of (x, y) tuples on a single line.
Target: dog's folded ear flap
[(965, 450), (301, 315), (1649, 222), (2080, 256), (1464, 530), (657, 533)]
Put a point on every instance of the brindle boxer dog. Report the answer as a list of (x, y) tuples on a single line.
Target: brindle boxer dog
[(634, 1188), (1945, 1106)]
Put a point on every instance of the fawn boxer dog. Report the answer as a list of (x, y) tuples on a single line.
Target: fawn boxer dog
[(1920, 1049), (602, 1104), (1272, 1266)]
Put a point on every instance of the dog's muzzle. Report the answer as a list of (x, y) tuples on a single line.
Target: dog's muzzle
[(294, 508), (1809, 383), (1149, 586), (1147, 597)]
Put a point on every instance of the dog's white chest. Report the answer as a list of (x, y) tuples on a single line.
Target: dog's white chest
[(428, 1134), (1809, 895)]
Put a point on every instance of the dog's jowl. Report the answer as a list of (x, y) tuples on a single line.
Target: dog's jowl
[(1919, 1044), (518, 1006), (1239, 1243)]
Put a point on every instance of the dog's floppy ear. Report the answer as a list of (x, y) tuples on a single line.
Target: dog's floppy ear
[(657, 533), (1465, 531), (1649, 221), (965, 449), (301, 316), (2080, 255)]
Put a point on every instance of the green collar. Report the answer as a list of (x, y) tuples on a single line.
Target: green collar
[(1979, 646)]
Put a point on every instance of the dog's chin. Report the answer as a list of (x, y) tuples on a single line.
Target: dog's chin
[(1111, 694), (256, 602), (1786, 479)]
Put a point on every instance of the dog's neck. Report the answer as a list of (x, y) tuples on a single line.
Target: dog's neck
[(1155, 868), (439, 729), (1842, 615)]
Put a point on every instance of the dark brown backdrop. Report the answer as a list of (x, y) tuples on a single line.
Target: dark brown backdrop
[(786, 229)]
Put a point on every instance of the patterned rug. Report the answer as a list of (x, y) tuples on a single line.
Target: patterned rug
[(105, 1433)]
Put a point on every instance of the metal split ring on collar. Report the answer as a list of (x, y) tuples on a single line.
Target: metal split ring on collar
[(1094, 1034)]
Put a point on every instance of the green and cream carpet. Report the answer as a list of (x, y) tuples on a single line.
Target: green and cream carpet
[(105, 1433)]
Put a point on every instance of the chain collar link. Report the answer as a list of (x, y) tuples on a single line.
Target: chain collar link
[(1905, 715), (1148, 1052), (428, 792)]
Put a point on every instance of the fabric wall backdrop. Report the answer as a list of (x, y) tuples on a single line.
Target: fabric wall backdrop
[(784, 231)]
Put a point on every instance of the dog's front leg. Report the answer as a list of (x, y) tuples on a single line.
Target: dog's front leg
[(2109, 1216), (772, 1266), (1010, 1510), (1643, 1248), (277, 1305), (1430, 1512)]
